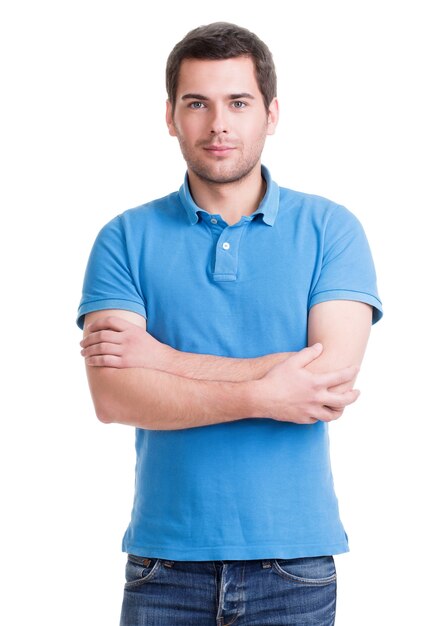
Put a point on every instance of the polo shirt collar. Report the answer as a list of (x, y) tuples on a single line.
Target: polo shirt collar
[(268, 207)]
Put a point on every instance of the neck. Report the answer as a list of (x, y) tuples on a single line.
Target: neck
[(230, 200)]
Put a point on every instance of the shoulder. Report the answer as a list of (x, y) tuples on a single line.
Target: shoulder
[(319, 211), (152, 208), (131, 222), (157, 209)]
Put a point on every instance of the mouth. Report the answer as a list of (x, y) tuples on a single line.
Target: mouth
[(219, 150)]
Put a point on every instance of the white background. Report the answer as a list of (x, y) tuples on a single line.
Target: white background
[(82, 139)]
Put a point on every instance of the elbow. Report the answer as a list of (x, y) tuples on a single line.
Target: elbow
[(109, 410), (103, 397), (103, 416), (111, 402), (103, 411)]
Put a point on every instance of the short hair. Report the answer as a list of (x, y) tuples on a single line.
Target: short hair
[(222, 40)]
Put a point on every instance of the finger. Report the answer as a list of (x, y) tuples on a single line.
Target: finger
[(104, 360), (327, 414), (100, 336), (340, 400), (109, 322), (310, 420), (307, 355), (102, 348), (332, 379)]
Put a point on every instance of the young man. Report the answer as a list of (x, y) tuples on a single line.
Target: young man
[(197, 310)]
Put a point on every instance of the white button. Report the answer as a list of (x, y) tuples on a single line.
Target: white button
[(226, 246), (214, 221)]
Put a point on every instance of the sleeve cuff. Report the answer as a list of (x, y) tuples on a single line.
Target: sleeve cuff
[(357, 296), (101, 305)]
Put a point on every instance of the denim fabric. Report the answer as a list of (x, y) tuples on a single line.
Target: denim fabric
[(282, 592)]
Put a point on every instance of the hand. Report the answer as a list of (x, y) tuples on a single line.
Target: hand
[(116, 342), (291, 393)]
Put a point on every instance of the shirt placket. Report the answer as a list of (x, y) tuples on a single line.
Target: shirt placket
[(227, 252)]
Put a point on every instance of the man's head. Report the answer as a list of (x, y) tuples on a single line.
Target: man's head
[(222, 104), (222, 40)]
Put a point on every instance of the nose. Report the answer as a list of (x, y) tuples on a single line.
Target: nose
[(218, 122)]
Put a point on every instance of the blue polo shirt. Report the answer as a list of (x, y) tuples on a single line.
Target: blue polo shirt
[(253, 488)]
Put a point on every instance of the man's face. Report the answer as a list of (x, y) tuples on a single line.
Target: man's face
[(220, 119)]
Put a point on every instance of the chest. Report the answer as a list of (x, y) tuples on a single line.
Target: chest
[(240, 291)]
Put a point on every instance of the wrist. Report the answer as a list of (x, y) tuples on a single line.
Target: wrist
[(165, 359), (254, 398)]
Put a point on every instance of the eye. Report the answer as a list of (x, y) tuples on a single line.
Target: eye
[(196, 105), (238, 104)]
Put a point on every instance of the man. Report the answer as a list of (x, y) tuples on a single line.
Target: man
[(197, 310)]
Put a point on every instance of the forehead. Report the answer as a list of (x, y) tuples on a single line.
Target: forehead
[(205, 76)]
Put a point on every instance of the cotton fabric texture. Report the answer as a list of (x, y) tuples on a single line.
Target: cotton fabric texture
[(253, 488)]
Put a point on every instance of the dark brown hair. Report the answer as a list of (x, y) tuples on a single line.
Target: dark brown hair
[(222, 40)]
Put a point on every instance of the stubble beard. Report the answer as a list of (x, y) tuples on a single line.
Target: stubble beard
[(217, 173)]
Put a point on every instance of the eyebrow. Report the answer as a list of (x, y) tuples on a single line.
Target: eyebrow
[(233, 96)]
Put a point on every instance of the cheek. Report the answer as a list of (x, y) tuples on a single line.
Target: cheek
[(256, 132), (188, 128), (251, 125)]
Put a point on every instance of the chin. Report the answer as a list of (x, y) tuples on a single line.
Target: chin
[(221, 175)]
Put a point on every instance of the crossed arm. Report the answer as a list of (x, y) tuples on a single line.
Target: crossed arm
[(137, 380)]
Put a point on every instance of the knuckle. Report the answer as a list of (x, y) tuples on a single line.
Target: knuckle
[(100, 360), (318, 396), (307, 412)]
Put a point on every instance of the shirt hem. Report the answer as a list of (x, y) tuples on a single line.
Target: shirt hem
[(240, 553)]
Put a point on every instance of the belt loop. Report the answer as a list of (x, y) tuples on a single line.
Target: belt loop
[(169, 564), (266, 564)]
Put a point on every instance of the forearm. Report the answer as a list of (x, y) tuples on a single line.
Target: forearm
[(134, 380), (112, 341), (158, 400), (208, 367)]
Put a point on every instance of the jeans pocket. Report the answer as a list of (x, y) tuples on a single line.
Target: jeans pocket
[(140, 570), (318, 570)]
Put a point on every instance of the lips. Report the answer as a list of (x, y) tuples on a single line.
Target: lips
[(219, 150), (219, 147)]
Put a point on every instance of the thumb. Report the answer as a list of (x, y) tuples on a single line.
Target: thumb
[(307, 355)]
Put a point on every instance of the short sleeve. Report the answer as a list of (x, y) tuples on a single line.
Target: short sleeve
[(347, 268), (108, 281)]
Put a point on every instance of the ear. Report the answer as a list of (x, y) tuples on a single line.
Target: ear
[(169, 119), (273, 116)]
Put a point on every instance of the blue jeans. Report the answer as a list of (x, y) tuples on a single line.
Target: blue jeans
[(282, 592)]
